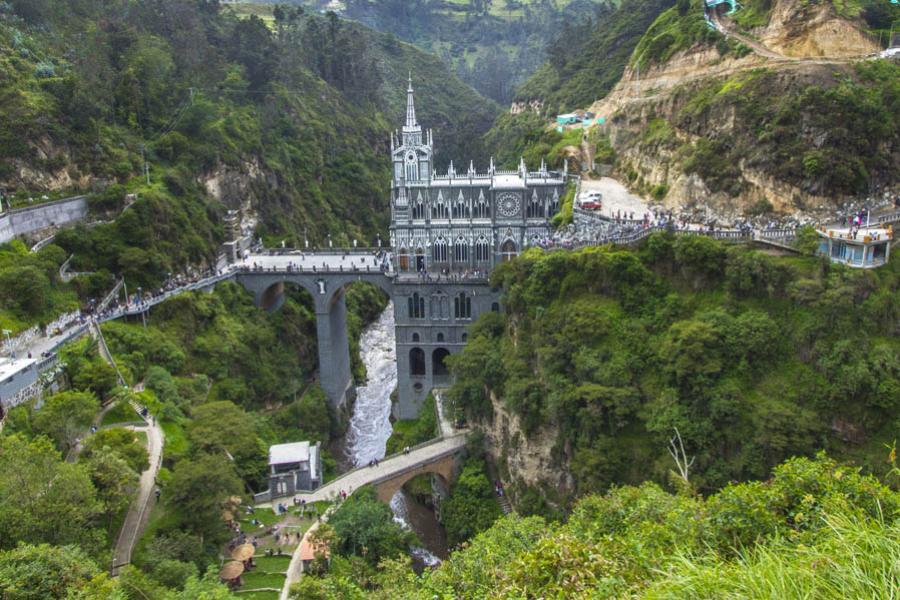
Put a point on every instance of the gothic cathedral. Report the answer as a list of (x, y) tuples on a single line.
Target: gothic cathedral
[(462, 222)]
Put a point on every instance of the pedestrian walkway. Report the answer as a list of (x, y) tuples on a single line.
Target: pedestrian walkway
[(139, 511)]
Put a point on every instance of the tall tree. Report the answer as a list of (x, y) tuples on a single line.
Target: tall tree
[(42, 498)]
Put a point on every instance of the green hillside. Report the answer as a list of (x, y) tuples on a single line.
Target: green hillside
[(297, 119), (586, 61)]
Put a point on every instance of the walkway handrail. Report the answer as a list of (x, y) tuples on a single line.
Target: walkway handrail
[(416, 465)]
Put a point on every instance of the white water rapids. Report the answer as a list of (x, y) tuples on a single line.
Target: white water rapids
[(370, 425)]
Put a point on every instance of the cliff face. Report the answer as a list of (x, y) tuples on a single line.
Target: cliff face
[(762, 123), (526, 461)]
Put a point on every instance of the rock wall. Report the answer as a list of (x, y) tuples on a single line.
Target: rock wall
[(531, 461)]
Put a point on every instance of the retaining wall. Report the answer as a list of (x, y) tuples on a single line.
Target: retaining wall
[(23, 221)]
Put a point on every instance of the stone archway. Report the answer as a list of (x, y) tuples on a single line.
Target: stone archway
[(440, 374), (443, 468)]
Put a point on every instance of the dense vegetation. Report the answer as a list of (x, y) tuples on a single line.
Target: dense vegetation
[(492, 45), (816, 529), (30, 288), (224, 379), (295, 120), (587, 59), (753, 359)]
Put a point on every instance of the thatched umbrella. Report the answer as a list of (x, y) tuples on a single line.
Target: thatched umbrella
[(231, 571), (243, 553)]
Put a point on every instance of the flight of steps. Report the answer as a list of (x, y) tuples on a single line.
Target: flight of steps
[(505, 506)]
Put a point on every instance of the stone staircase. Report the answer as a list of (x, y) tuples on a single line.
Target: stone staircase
[(505, 506)]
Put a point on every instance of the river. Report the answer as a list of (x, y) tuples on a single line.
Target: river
[(370, 428)]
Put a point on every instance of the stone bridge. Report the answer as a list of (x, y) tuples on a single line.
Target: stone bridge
[(325, 275), (438, 457)]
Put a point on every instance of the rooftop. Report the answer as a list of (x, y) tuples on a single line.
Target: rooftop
[(862, 236), (10, 366), (281, 454)]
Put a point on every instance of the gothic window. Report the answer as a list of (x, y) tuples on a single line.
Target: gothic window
[(440, 306), (462, 306), (418, 211), (482, 250), (415, 337), (508, 251), (460, 250), (495, 307), (482, 211), (460, 209), (398, 171), (439, 250), (465, 338), (416, 306), (440, 337), (554, 205), (535, 207), (439, 211), (417, 361)]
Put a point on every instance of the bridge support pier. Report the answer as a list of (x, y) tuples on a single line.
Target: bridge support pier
[(334, 351)]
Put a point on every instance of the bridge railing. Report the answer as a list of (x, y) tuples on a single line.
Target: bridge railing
[(316, 251)]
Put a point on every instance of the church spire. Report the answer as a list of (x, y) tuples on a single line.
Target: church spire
[(411, 122)]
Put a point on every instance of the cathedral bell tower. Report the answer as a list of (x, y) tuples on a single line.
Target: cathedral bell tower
[(411, 153)]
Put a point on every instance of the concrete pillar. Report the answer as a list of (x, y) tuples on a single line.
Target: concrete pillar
[(334, 350)]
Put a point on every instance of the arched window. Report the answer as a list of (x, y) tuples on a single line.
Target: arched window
[(482, 250), (416, 304), (418, 209), (508, 251), (465, 337), (439, 250), (440, 337), (415, 337), (495, 307), (403, 259), (461, 208), (417, 362), (460, 250), (535, 206), (439, 210), (554, 204), (462, 306)]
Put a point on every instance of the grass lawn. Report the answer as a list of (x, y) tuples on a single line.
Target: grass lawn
[(120, 413), (254, 595), (263, 515), (272, 564), (257, 579)]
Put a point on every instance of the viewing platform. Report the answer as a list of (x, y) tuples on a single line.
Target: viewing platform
[(859, 247)]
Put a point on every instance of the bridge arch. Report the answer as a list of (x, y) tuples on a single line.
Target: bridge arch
[(444, 469), (327, 289)]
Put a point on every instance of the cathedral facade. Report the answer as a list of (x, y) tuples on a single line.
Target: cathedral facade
[(447, 233)]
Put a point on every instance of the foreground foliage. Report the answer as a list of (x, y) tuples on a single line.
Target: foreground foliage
[(816, 529)]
